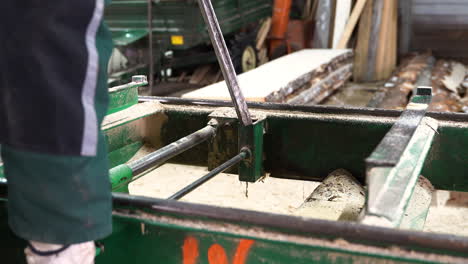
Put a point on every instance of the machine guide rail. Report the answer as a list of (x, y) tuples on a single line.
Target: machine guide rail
[(395, 165), (390, 149)]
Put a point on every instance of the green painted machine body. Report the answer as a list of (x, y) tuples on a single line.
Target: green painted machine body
[(298, 142), (179, 35), (125, 96), (178, 24)]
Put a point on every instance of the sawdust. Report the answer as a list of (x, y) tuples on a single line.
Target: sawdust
[(271, 195), (132, 113), (447, 220)]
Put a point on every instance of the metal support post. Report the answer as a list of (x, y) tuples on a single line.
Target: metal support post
[(150, 45)]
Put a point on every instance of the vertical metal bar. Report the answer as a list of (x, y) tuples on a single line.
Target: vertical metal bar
[(150, 45), (225, 62)]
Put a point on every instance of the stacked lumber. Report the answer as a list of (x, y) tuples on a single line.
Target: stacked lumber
[(376, 49), (303, 77)]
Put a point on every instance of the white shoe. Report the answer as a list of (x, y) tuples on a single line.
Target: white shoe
[(44, 253)]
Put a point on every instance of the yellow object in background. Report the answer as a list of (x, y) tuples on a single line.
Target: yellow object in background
[(177, 40)]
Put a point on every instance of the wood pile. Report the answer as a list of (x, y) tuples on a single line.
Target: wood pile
[(399, 87), (448, 79), (303, 77)]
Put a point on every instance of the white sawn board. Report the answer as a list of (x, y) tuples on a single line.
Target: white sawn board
[(273, 76)]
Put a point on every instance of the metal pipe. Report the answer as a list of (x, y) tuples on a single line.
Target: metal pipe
[(189, 188), (150, 45), (160, 156), (224, 59), (121, 175)]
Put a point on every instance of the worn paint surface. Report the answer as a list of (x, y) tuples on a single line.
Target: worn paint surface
[(196, 242)]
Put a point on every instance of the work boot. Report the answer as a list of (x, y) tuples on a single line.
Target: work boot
[(44, 253)]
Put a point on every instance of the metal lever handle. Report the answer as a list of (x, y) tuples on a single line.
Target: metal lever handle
[(224, 59)]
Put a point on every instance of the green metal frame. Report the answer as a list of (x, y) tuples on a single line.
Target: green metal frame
[(300, 142), (128, 23)]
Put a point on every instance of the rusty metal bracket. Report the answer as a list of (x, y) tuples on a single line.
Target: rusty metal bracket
[(249, 139)]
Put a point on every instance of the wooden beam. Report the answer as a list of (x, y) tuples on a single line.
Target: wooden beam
[(362, 48), (284, 78), (342, 10), (353, 19)]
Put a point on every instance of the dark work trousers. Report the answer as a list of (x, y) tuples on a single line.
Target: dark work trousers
[(53, 98)]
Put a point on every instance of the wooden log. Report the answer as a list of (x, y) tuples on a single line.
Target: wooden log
[(319, 91), (339, 197), (418, 207), (443, 100), (457, 75), (416, 211), (404, 81)]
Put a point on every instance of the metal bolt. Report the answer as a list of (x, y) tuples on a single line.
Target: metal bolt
[(139, 79), (424, 90)]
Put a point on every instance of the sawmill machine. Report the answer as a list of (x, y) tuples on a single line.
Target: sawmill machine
[(386, 150), (162, 36)]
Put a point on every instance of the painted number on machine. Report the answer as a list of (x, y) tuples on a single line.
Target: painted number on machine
[(216, 253)]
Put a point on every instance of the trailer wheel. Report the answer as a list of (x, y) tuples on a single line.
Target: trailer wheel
[(243, 53)]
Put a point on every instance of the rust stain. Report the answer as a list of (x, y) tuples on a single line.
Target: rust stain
[(190, 250), (217, 255), (242, 251)]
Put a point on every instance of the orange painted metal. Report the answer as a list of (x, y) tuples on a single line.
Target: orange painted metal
[(279, 23)]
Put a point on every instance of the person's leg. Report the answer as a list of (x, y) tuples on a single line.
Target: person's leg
[(54, 96)]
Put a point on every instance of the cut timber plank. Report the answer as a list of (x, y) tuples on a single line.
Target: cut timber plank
[(342, 10), (280, 78), (362, 49), (323, 88), (353, 19), (263, 33), (386, 49)]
